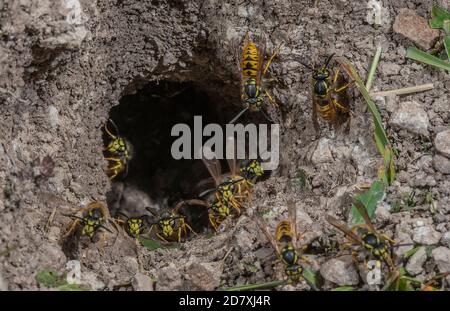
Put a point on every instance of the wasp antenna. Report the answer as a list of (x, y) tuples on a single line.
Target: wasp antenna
[(238, 115), (73, 216), (116, 129), (307, 66), (327, 62), (123, 214)]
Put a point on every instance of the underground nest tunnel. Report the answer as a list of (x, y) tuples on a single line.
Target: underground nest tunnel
[(145, 120)]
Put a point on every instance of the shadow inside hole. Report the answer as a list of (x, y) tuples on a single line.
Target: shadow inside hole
[(145, 121)]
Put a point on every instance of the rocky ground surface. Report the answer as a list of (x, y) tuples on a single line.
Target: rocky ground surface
[(66, 65)]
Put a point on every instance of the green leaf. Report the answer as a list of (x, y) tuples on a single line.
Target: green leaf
[(427, 58), (311, 278), (370, 199), (74, 287), (343, 289), (446, 27), (411, 252), (447, 45), (381, 139), (439, 15), (154, 245), (50, 277)]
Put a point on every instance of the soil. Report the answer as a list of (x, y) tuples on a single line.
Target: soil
[(68, 67)]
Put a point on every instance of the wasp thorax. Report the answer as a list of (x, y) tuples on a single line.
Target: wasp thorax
[(289, 255), (371, 240)]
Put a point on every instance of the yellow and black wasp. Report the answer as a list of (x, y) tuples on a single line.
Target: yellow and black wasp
[(364, 235), (252, 70), (134, 226), (116, 153), (90, 219), (170, 226), (330, 95), (285, 244)]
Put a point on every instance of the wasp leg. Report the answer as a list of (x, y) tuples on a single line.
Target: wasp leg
[(384, 236), (161, 237), (116, 168), (271, 100), (72, 227), (275, 53), (190, 229), (213, 222)]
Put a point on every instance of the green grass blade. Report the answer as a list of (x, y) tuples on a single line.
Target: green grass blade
[(311, 278), (439, 15), (267, 285), (381, 139), (153, 245), (447, 46), (373, 68), (343, 289), (369, 199), (426, 58)]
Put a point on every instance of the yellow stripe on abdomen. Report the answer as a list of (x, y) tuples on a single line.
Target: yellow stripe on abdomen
[(250, 61)]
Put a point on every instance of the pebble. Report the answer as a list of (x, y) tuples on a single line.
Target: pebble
[(340, 271), (204, 275), (322, 154), (441, 164), (169, 278), (426, 235), (442, 143), (411, 117), (415, 28), (446, 239), (441, 256), (415, 263), (142, 282)]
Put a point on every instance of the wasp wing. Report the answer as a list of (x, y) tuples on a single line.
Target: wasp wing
[(264, 228), (363, 211), (212, 164), (231, 155), (292, 211), (337, 224)]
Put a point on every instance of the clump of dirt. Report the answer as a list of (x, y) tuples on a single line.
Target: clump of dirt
[(69, 67)]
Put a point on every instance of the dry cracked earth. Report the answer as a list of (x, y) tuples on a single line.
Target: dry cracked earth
[(69, 65)]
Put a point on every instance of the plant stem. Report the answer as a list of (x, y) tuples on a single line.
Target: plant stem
[(404, 91), (373, 68), (266, 285)]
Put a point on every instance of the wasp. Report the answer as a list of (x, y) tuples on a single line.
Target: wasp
[(117, 153), (285, 244), (170, 225), (252, 71), (94, 215), (134, 226), (377, 244), (330, 95)]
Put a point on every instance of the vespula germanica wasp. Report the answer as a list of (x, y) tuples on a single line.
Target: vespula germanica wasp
[(170, 226), (330, 95), (90, 219), (252, 71), (364, 235), (116, 153), (134, 226), (285, 244), (93, 217)]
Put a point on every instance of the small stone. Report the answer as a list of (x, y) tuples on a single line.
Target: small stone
[(415, 28), (142, 282), (415, 263), (322, 154), (169, 278), (91, 279), (340, 271), (441, 256), (441, 164), (442, 142), (389, 69), (382, 211), (204, 276), (426, 235), (411, 117), (446, 239)]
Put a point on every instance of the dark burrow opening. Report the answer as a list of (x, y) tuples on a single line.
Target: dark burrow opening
[(145, 120)]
